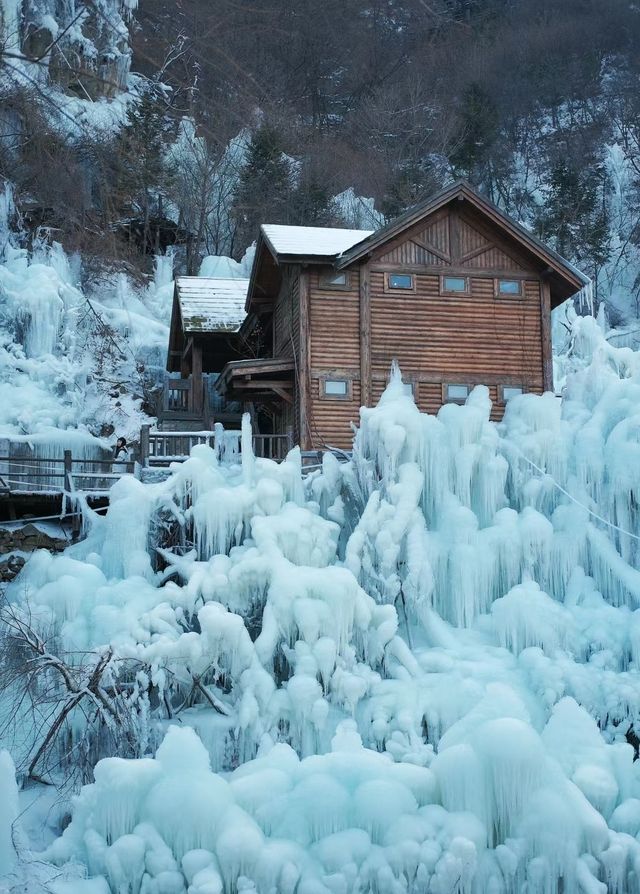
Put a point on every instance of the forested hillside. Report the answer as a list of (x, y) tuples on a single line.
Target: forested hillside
[(289, 111)]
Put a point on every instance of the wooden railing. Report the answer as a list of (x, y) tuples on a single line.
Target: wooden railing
[(34, 475), (161, 448), (272, 446)]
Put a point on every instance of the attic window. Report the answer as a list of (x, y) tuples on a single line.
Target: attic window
[(400, 281), (457, 393), (455, 284), (335, 280), (509, 287)]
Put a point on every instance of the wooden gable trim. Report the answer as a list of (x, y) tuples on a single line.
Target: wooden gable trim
[(410, 234), (423, 243), (386, 236), (470, 255), (497, 241)]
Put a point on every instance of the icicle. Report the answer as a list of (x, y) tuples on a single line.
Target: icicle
[(248, 459), (585, 298)]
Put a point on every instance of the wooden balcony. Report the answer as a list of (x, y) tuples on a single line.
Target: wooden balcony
[(187, 404)]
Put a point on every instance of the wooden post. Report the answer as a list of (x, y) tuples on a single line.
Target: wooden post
[(69, 487), (68, 471), (304, 383), (144, 445), (545, 330), (365, 336), (5, 451), (197, 384)]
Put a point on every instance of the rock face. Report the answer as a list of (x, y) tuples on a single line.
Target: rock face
[(16, 542), (85, 47)]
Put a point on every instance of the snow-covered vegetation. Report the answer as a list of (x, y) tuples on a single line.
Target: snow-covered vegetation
[(417, 671)]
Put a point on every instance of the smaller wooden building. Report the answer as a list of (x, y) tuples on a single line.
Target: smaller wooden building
[(206, 318), (454, 290)]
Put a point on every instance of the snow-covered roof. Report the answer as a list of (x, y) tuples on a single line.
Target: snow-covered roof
[(319, 241), (211, 305)]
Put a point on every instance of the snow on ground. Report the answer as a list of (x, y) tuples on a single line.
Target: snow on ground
[(417, 671)]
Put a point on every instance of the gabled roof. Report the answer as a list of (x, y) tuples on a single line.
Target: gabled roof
[(279, 244), (311, 241), (211, 305), (573, 279)]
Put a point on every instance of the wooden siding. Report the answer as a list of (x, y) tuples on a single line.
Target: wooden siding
[(334, 317), (471, 339), (437, 339), (331, 419), (284, 322)]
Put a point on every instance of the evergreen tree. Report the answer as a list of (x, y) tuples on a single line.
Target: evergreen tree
[(264, 191), (312, 205), (141, 173), (477, 133), (575, 218)]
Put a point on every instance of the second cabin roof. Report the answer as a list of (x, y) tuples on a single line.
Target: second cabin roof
[(211, 305)]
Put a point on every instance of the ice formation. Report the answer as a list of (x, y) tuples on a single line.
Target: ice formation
[(9, 810), (415, 671)]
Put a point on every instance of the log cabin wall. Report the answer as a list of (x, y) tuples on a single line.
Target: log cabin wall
[(334, 354), (286, 344), (474, 337), (438, 337), (285, 328)]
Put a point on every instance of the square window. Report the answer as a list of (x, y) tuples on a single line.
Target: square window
[(457, 392), (400, 280), (338, 280), (408, 388), (454, 284), (509, 391), (336, 387), (509, 287)]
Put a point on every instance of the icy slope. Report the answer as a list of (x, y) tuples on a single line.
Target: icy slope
[(74, 364), (415, 672)]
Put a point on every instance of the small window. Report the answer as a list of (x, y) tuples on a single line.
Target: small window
[(454, 284), (336, 387), (457, 392), (509, 391), (509, 287), (400, 281), (409, 389), (335, 280)]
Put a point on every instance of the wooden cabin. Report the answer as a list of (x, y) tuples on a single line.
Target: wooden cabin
[(206, 318), (454, 290)]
